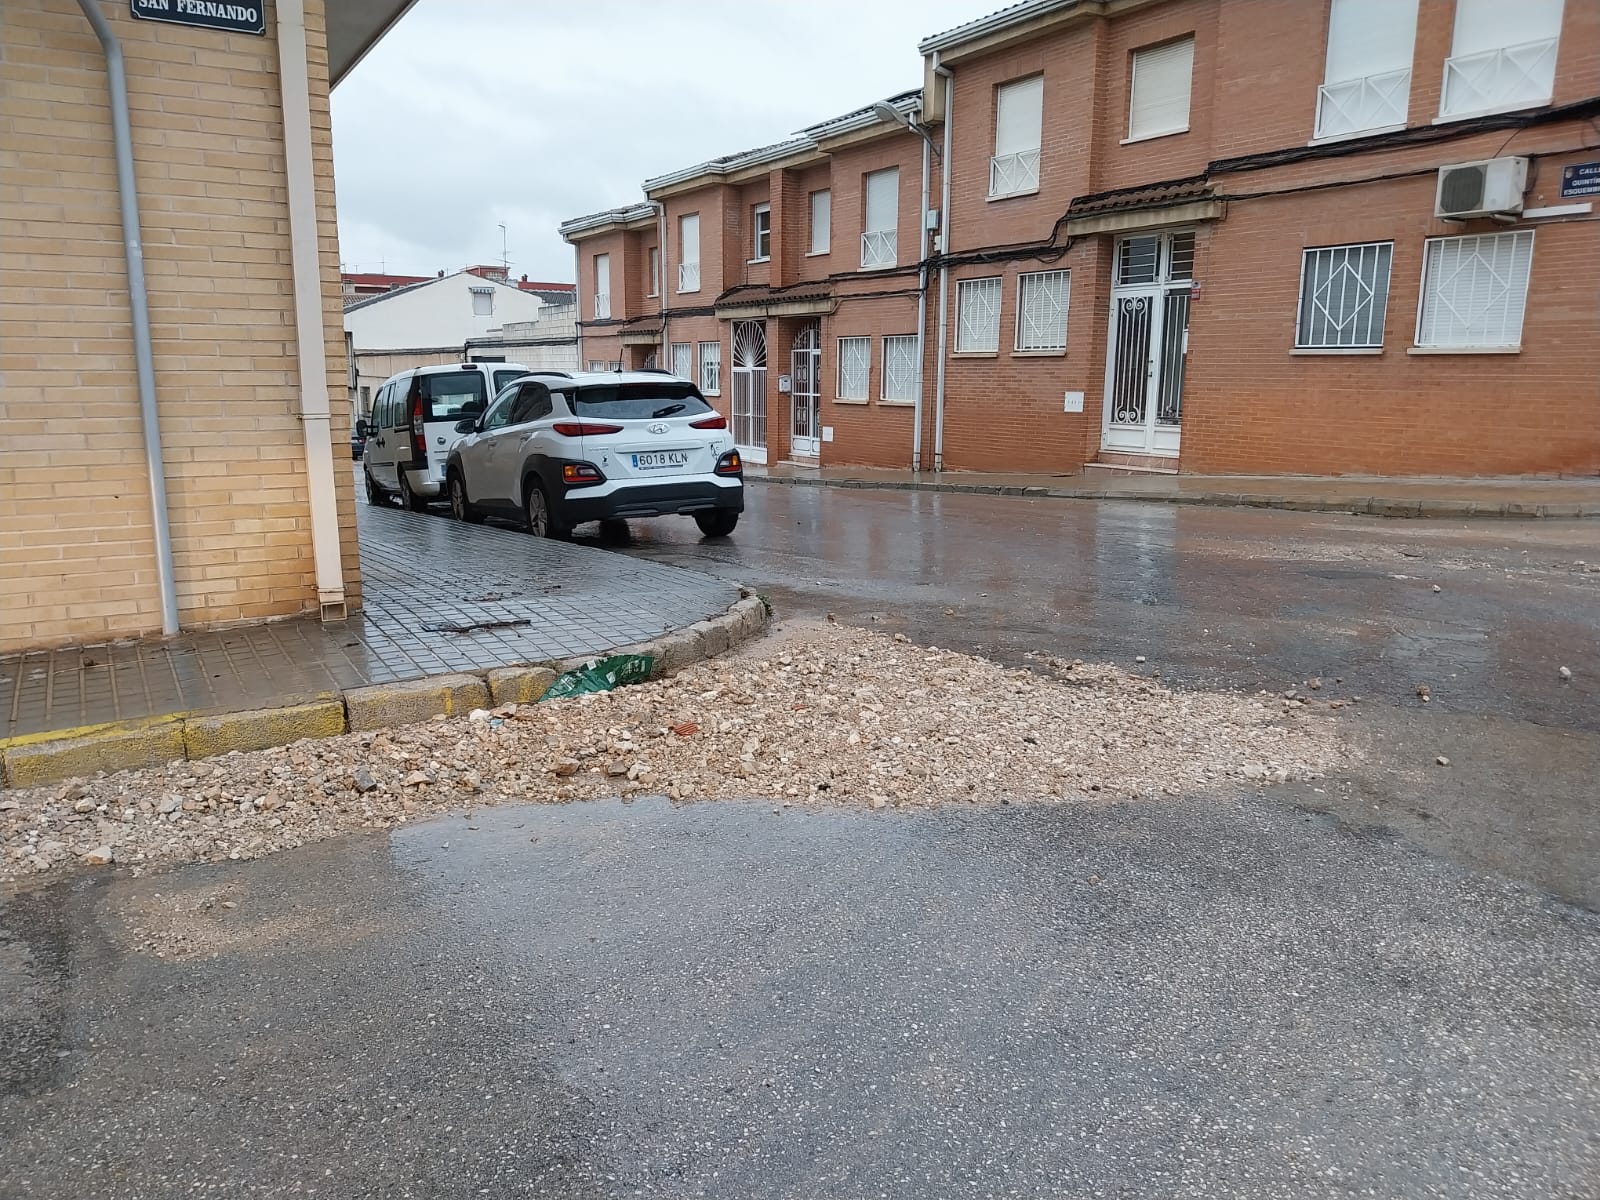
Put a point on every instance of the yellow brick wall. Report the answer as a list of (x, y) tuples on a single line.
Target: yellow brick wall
[(77, 560)]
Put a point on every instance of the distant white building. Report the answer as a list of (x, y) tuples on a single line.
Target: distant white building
[(444, 312), (462, 317)]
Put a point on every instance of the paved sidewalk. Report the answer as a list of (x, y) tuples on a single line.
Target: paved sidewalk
[(1374, 495), (423, 577)]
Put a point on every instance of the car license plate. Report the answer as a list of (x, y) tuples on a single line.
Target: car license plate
[(660, 460)]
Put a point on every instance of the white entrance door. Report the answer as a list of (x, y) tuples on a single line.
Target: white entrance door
[(1149, 337), (750, 389), (806, 393)]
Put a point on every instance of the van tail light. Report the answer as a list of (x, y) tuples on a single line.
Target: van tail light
[(419, 444), (714, 421), (730, 464), (584, 428)]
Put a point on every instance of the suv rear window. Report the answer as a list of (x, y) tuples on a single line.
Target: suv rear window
[(638, 401), (449, 392)]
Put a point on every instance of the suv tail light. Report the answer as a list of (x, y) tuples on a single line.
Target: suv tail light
[(584, 428), (730, 464), (714, 421), (581, 474), (419, 444)]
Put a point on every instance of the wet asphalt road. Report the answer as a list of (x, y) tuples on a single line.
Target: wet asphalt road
[(1380, 985)]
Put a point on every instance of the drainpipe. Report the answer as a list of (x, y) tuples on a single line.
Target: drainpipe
[(922, 310), (139, 304), (311, 350), (661, 282), (944, 251)]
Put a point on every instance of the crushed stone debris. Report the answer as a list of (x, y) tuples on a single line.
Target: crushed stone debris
[(827, 715)]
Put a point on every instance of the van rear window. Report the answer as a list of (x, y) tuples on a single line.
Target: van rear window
[(449, 392), (638, 401)]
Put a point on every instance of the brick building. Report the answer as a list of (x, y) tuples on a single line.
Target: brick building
[(232, 170), (1194, 235)]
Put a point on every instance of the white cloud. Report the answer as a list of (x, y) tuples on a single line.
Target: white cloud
[(474, 112)]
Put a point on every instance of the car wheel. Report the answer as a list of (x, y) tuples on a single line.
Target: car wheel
[(375, 493), (719, 522), (541, 520), (408, 498), (461, 508)]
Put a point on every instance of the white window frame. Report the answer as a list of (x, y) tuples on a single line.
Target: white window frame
[(1150, 55), (876, 243), (1381, 314), (602, 287), (993, 287), (711, 368), (898, 384), (1431, 250), (824, 226), (858, 352), (761, 230), (1039, 278), (688, 269), (655, 270), (681, 354), (1014, 168), (1524, 57), (1350, 104)]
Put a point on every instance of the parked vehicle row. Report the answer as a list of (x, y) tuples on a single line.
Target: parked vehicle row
[(554, 449)]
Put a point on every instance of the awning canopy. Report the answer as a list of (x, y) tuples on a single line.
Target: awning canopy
[(356, 26)]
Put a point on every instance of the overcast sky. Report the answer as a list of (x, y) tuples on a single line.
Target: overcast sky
[(531, 112)]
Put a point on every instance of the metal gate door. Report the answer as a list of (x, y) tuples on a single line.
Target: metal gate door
[(806, 393), (750, 389), (1149, 337)]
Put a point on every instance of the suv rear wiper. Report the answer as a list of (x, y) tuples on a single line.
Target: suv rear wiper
[(668, 410)]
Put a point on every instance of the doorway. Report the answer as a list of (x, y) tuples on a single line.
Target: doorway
[(805, 395), (750, 389), (1149, 340)]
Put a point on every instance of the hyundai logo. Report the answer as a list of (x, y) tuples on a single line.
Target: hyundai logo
[(660, 427)]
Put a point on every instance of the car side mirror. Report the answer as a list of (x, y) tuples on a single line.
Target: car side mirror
[(467, 426), (362, 428)]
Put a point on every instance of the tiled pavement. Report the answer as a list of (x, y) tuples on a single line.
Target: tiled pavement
[(422, 577)]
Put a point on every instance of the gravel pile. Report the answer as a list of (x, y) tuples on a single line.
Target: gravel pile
[(829, 715)]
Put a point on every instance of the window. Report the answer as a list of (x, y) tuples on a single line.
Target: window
[(1042, 310), (901, 370), (1139, 259), (1158, 98), (978, 316), (1474, 290), (501, 378), (689, 252), (821, 222), (1018, 111), (882, 219), (602, 286), (1502, 56), (483, 302), (1366, 84), (683, 360), (761, 222), (1344, 296), (711, 368), (500, 415), (532, 403), (637, 401), (855, 362), (366, 400), (447, 394), (655, 270)]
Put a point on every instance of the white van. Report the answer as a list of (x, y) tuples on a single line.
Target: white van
[(413, 426)]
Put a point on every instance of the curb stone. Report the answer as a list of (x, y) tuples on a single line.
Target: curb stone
[(1375, 506), (30, 760)]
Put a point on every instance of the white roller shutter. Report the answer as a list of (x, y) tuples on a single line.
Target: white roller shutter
[(1019, 112), (1160, 93), (883, 201), (1484, 25), (1370, 37)]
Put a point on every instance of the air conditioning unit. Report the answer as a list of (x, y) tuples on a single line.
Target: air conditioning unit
[(1481, 189)]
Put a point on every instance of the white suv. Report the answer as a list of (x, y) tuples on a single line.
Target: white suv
[(560, 448)]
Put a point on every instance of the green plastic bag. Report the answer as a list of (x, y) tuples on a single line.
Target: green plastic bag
[(601, 675)]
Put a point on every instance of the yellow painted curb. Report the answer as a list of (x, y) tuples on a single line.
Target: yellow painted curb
[(31, 760), (262, 728), (413, 700), (519, 685)]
